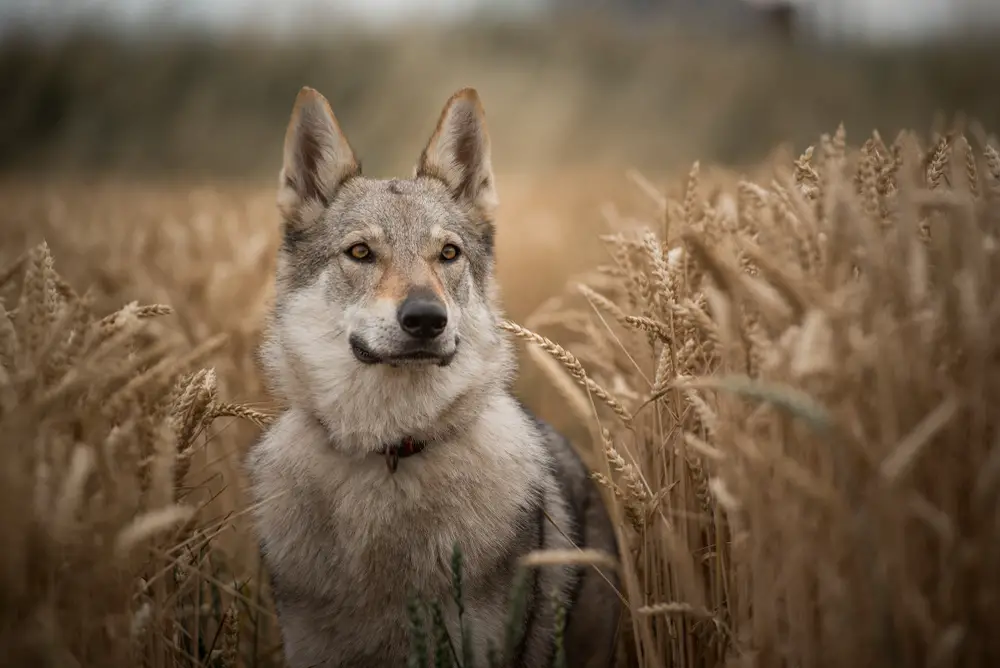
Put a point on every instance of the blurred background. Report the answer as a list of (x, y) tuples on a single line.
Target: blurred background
[(203, 88), (142, 138)]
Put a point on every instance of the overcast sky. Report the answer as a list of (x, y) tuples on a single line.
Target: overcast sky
[(874, 18), (223, 14)]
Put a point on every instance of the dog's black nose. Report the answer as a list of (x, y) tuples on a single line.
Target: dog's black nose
[(422, 315)]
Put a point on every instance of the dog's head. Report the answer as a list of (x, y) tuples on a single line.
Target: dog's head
[(385, 292)]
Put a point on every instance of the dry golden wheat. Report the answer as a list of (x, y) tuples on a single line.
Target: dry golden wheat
[(97, 439), (789, 381), (817, 419)]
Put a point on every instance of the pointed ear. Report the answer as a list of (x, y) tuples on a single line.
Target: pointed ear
[(458, 152), (317, 160)]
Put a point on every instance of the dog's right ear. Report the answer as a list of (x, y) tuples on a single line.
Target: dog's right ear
[(317, 160)]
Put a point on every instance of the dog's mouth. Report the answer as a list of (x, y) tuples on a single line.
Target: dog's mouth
[(413, 357)]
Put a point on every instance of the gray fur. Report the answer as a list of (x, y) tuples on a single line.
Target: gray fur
[(346, 540)]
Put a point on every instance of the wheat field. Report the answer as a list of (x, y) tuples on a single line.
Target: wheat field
[(782, 375), (792, 385), (785, 387)]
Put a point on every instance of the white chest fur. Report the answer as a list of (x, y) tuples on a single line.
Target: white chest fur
[(355, 539)]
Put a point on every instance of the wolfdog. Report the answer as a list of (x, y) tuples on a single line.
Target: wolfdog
[(402, 438)]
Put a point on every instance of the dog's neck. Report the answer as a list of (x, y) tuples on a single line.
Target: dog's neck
[(449, 423), (361, 414)]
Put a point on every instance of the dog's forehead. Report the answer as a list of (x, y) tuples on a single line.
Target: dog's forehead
[(397, 206)]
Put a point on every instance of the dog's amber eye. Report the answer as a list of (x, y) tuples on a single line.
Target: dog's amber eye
[(449, 252), (360, 252)]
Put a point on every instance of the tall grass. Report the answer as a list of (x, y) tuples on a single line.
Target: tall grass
[(108, 553), (794, 387), (790, 385)]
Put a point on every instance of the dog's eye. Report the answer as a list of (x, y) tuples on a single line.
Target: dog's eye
[(360, 252), (449, 252)]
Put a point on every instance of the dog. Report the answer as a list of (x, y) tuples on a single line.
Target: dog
[(402, 438)]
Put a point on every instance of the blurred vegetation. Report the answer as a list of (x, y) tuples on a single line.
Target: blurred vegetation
[(567, 93)]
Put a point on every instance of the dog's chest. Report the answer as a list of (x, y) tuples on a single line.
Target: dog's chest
[(375, 538), (390, 533), (347, 541)]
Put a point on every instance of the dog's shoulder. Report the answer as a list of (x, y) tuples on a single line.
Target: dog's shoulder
[(594, 604), (567, 465), (284, 448), (281, 468)]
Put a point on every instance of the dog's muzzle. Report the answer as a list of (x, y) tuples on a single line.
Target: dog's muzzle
[(411, 355)]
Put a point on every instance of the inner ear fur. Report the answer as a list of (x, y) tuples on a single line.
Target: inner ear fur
[(458, 152), (318, 160)]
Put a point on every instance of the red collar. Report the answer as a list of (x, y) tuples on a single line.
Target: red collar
[(405, 447)]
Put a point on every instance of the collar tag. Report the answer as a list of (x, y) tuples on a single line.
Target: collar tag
[(404, 448), (391, 458)]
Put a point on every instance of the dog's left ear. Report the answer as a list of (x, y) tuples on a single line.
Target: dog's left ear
[(458, 152)]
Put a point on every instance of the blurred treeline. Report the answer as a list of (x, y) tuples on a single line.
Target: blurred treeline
[(557, 93)]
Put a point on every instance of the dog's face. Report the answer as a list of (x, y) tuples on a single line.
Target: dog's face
[(385, 287), (402, 263)]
